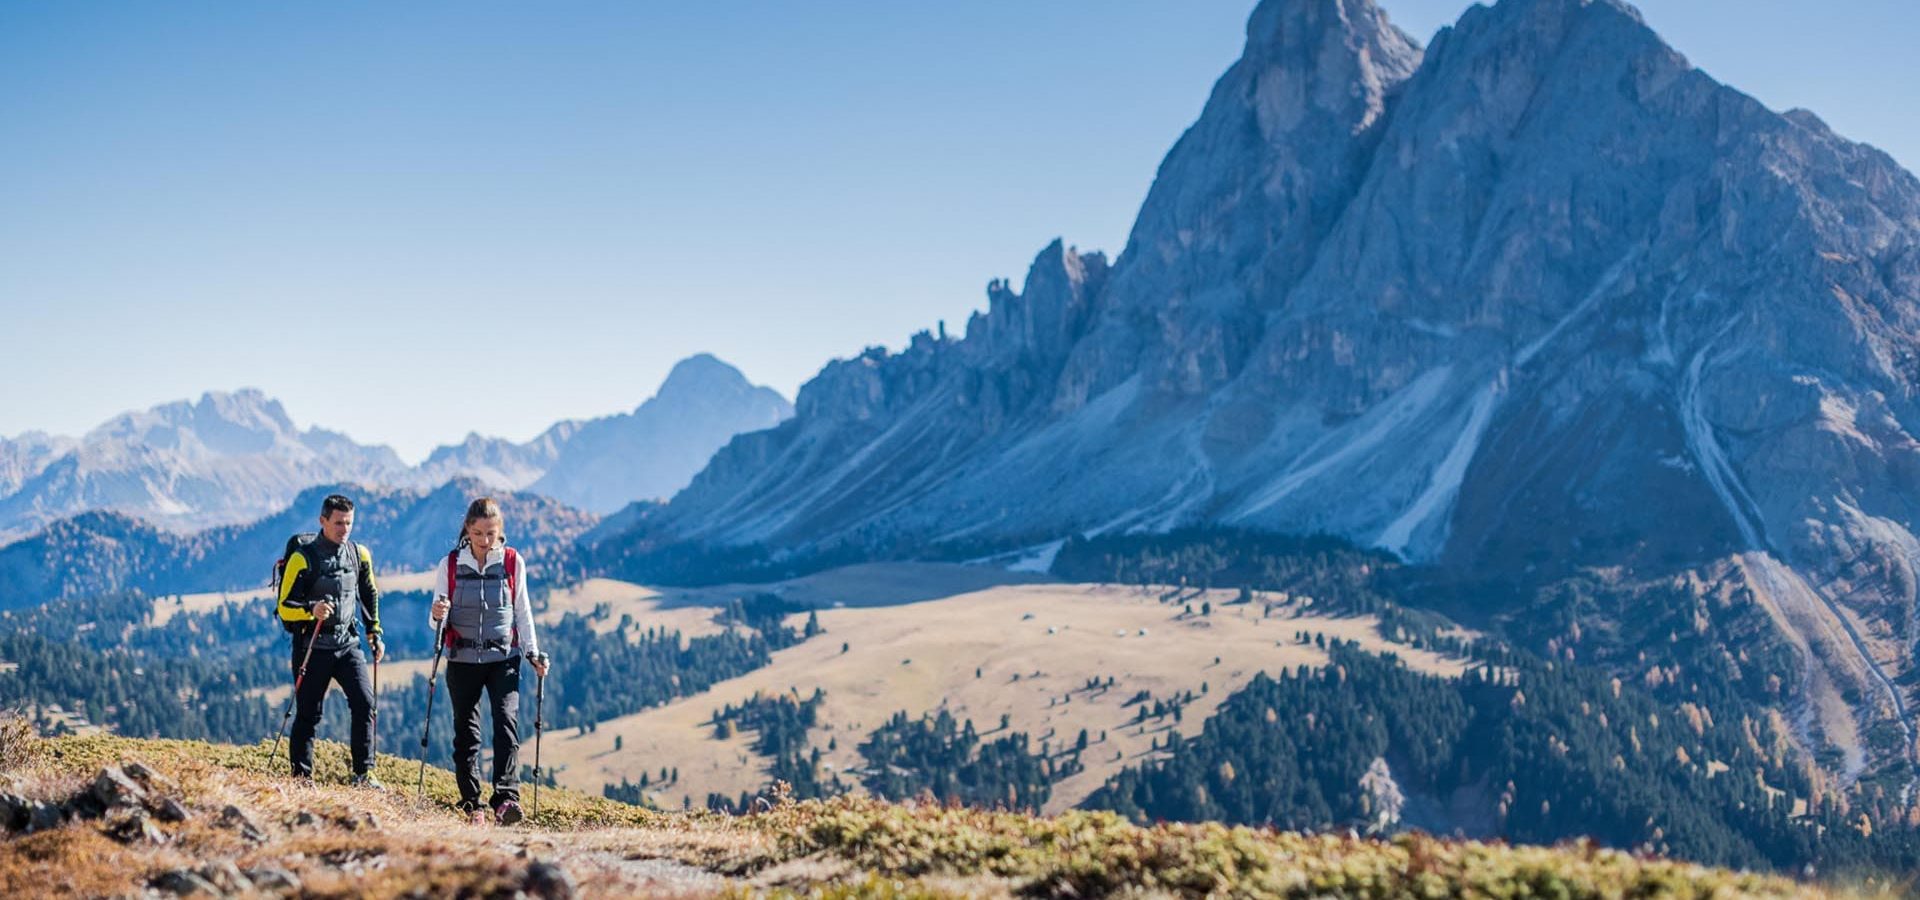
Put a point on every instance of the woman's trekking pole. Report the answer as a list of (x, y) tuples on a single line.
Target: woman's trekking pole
[(298, 679), (539, 727), (433, 677)]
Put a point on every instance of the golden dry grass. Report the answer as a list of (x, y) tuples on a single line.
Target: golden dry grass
[(649, 607), (921, 657)]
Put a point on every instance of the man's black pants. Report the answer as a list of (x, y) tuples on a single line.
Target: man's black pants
[(347, 667), (501, 681)]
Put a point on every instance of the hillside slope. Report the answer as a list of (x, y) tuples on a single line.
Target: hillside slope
[(239, 829), (1023, 651)]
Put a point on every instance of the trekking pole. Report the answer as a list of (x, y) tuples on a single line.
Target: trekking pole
[(373, 754), (539, 727), (298, 679), (433, 677)]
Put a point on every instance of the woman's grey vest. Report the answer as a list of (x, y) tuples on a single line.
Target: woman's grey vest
[(480, 620)]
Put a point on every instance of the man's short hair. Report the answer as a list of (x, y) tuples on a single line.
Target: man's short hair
[(333, 504)]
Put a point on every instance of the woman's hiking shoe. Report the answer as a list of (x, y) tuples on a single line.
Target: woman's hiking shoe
[(479, 817), (508, 812)]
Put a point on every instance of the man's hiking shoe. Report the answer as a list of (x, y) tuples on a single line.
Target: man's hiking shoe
[(508, 813), (366, 780)]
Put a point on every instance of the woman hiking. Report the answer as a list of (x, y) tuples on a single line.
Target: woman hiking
[(480, 593)]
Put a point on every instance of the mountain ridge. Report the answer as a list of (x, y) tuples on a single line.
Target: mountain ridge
[(232, 457), (1538, 297)]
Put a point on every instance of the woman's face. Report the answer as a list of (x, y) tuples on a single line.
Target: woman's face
[(484, 534)]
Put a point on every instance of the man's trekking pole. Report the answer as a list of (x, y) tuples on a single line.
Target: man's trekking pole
[(298, 679), (433, 677), (539, 727), (373, 726)]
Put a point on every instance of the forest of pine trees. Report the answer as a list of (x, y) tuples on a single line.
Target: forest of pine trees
[(1638, 715), (951, 761), (780, 723), (191, 678)]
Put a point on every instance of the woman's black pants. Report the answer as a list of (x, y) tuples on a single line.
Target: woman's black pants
[(501, 682)]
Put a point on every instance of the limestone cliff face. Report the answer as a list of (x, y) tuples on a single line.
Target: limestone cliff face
[(1542, 295), (1065, 397)]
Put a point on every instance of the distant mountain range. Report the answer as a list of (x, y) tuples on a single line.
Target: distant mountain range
[(223, 459), (406, 529), (233, 458)]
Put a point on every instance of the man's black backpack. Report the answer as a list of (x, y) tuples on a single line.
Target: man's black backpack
[(294, 545)]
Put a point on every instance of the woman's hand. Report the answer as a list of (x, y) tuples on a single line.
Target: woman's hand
[(440, 607), (541, 664)]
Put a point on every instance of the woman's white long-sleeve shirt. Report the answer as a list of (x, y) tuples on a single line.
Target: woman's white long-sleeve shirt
[(522, 601)]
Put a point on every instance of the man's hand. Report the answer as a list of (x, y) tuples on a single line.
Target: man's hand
[(322, 611), (541, 663), (440, 607), (379, 647)]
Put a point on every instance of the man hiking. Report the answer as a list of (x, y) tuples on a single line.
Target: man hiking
[(326, 590)]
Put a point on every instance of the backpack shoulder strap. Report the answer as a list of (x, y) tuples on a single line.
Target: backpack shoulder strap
[(512, 562), (448, 635)]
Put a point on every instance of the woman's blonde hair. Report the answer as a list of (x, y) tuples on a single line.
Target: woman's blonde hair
[(483, 508)]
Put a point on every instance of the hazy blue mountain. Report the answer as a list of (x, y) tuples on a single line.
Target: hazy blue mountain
[(652, 452), (231, 458), (497, 461), (225, 458)]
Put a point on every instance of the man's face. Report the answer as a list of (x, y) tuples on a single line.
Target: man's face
[(337, 525)]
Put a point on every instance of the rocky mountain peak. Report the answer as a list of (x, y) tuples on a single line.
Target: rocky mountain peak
[(1275, 144), (243, 405), (1047, 315), (603, 464), (243, 421), (701, 374), (1336, 58)]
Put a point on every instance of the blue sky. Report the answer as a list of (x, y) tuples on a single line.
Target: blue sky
[(413, 220)]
